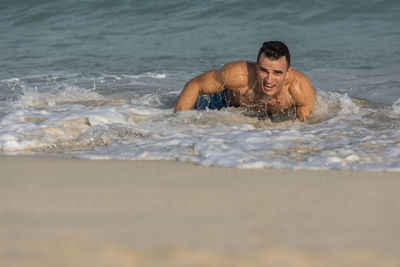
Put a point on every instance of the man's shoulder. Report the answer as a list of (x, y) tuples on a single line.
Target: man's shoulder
[(239, 66), (236, 73), (301, 87), (296, 73), (297, 77), (239, 63)]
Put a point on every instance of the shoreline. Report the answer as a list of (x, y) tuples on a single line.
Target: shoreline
[(172, 212), (61, 156)]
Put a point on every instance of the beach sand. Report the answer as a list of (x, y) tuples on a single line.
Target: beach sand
[(57, 211)]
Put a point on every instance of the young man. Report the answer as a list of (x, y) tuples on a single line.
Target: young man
[(270, 86)]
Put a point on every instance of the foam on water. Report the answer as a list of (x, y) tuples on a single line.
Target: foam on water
[(100, 82), (342, 133), (34, 99)]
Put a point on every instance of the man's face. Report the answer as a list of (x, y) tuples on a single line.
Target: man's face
[(271, 74)]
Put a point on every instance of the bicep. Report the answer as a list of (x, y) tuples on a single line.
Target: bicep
[(232, 76), (206, 83), (304, 95), (209, 83)]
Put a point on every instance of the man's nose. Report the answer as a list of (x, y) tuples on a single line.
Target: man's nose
[(268, 78)]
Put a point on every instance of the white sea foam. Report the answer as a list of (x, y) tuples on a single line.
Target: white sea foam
[(396, 109), (151, 75), (11, 80), (347, 106), (147, 75), (31, 97), (339, 134)]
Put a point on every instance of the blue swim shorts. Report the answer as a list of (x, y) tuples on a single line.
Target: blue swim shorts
[(212, 101)]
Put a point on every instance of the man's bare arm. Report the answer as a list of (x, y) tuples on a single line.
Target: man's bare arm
[(303, 93), (206, 83), (232, 75)]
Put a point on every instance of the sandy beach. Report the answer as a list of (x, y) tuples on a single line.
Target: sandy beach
[(57, 211)]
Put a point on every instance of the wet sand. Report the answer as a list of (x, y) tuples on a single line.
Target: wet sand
[(57, 211)]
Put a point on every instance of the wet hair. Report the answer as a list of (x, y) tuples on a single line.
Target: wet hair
[(274, 50)]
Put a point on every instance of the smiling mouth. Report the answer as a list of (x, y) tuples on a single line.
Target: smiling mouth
[(268, 87)]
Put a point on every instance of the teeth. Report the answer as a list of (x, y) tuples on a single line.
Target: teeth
[(269, 86)]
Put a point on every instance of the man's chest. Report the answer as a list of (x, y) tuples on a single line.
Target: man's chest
[(253, 101)]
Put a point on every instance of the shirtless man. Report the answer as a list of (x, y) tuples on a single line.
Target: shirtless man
[(270, 85)]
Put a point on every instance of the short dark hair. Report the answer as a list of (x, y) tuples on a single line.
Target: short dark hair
[(274, 50)]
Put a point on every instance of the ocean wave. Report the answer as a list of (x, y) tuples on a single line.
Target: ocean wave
[(31, 98), (105, 67), (341, 133), (396, 108)]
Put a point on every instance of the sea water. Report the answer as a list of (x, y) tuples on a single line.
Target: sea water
[(100, 79)]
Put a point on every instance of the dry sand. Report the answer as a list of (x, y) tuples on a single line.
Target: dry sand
[(68, 212)]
